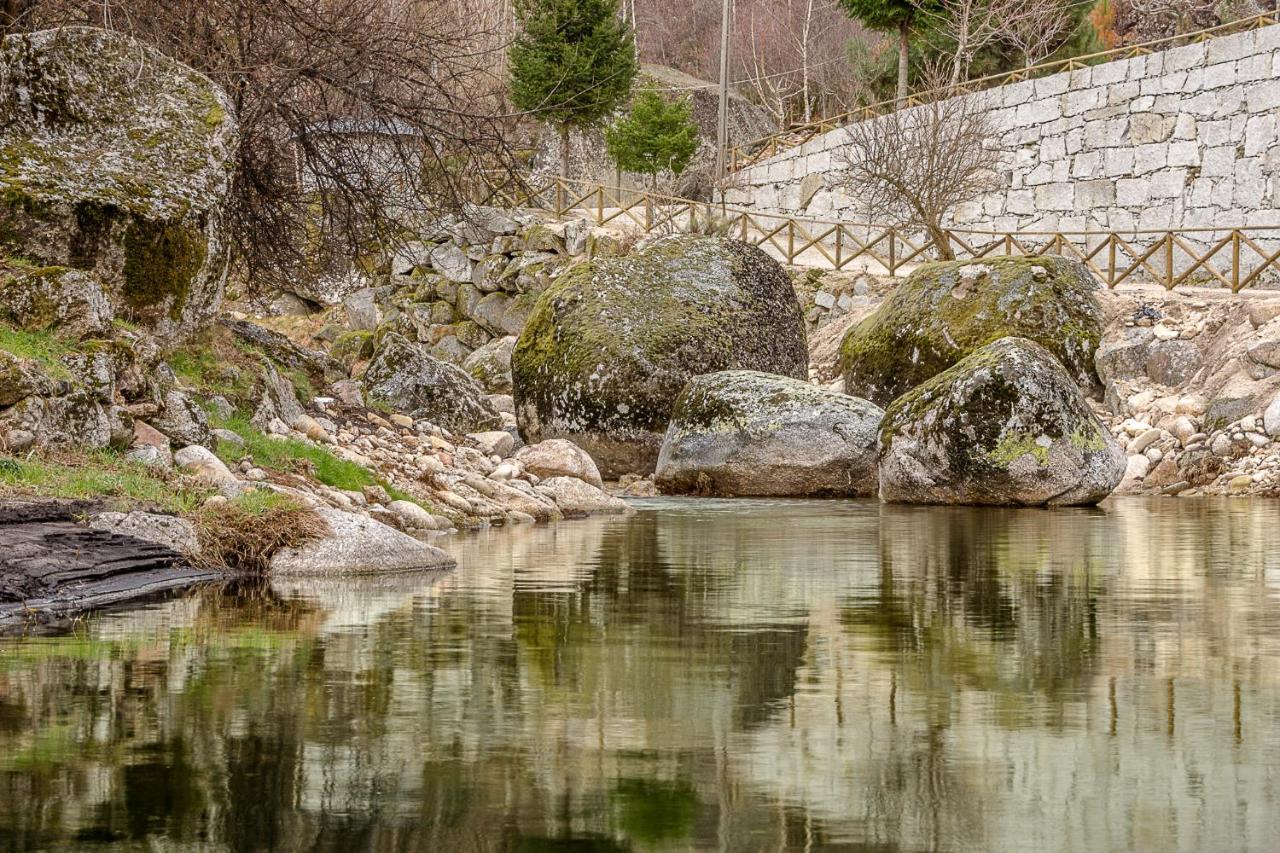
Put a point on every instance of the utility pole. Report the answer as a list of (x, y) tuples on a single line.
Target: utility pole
[(722, 132)]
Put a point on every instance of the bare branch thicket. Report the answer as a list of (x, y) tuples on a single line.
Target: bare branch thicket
[(913, 167), (1031, 26), (1037, 32), (358, 118)]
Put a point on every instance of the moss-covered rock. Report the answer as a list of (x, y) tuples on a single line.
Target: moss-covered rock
[(46, 298), (405, 377), (1005, 425), (115, 160), (21, 378), (611, 344), (351, 347), (945, 311), (740, 433), (490, 365)]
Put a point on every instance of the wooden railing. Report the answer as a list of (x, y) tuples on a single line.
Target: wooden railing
[(747, 153), (1234, 258)]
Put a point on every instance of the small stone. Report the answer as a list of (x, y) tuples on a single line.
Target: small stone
[(1241, 483), (375, 494), (1221, 445), (1155, 454), (495, 443), (1175, 488), (1182, 428), (505, 471), (402, 421), (413, 516), (1144, 440), (1137, 467), (201, 462)]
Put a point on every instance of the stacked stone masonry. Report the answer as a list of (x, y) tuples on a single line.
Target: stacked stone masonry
[(1184, 138)]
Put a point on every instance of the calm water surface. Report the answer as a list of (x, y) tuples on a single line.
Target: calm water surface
[(703, 675)]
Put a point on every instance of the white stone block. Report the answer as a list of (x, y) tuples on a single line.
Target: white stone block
[(1148, 158), (1021, 202), (1059, 196), (1256, 67), (1217, 76), (1184, 127), (1108, 73), (1260, 134), (1218, 162), (1079, 100), (1094, 194), (1167, 183), (1261, 98), (1215, 132), (1250, 184), (1118, 162), (1181, 58), (1150, 127), (1184, 154), (1132, 192), (1087, 164), (1121, 94), (1054, 84), (1017, 94), (1052, 148), (1231, 47)]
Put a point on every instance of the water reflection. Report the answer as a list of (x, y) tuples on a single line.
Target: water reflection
[(702, 675)]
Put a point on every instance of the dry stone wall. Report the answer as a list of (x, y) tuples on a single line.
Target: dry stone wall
[(1184, 138)]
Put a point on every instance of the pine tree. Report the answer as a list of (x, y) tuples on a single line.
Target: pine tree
[(656, 136), (900, 16), (572, 64)]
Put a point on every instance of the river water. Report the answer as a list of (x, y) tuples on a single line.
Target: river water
[(702, 675)]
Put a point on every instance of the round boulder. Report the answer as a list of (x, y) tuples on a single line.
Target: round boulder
[(1008, 426), (611, 344), (115, 160), (945, 311), (743, 433), (556, 457)]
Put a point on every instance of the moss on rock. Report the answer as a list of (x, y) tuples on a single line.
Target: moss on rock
[(945, 311), (610, 345), (1005, 425)]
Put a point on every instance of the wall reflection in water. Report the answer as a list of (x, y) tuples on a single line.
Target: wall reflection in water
[(703, 675)]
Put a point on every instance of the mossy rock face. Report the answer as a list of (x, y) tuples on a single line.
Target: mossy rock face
[(740, 433), (405, 377), (609, 347), (945, 311), (115, 159), (55, 298), (351, 347), (1006, 426), (21, 378)]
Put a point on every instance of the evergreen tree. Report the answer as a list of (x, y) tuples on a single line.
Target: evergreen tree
[(572, 64), (900, 16), (655, 136)]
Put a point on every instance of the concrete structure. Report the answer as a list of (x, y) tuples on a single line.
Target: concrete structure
[(1184, 138)]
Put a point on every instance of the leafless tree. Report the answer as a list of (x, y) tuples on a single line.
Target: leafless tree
[(973, 25), (913, 167), (1037, 31), (356, 116)]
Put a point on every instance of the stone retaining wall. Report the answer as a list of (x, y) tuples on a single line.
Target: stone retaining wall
[(1184, 138)]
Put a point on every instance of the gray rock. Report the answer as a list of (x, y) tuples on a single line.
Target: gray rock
[(451, 262), (358, 545), (176, 534), (76, 419), (1271, 418), (228, 438), (118, 169), (21, 378), (72, 301), (742, 433), (183, 420), (200, 462), (1006, 425), (349, 392), (404, 376), (284, 351), (493, 442), (945, 311), (1123, 353), (490, 365), (612, 343), (279, 400), (1173, 363), (363, 313), (575, 497), (557, 457)]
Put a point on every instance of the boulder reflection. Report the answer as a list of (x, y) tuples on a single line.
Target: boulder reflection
[(702, 675)]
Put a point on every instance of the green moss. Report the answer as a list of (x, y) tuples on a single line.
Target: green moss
[(161, 262), (1015, 445), (351, 347)]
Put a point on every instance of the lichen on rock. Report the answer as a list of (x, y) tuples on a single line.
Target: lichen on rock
[(945, 311), (404, 376), (610, 345), (740, 433), (1005, 425), (115, 160)]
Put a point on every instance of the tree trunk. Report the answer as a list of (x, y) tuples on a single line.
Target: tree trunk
[(904, 44), (941, 241)]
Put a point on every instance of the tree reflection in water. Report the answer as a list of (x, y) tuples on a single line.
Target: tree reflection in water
[(702, 675)]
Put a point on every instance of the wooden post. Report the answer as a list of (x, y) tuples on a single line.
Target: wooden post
[(1168, 260), (1111, 260), (893, 255), (791, 240), (839, 242), (1235, 261)]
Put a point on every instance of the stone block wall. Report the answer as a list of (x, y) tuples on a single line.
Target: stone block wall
[(1184, 138)]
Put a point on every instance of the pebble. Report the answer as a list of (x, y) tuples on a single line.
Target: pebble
[(1145, 440)]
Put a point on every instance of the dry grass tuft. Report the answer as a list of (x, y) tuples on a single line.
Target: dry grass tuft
[(245, 533)]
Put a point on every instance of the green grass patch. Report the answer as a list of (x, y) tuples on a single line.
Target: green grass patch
[(44, 348), (203, 367), (98, 474)]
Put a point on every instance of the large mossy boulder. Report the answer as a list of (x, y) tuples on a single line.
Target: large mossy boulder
[(945, 311), (115, 160), (743, 433), (405, 377), (613, 342), (1007, 425)]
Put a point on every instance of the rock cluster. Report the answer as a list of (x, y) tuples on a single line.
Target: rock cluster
[(610, 346)]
